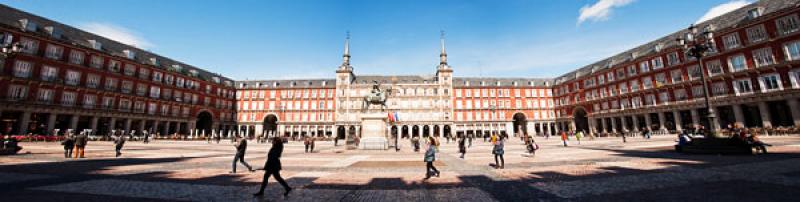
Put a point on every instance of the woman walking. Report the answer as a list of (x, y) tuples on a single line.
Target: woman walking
[(273, 167), (462, 147), (430, 157), (498, 151)]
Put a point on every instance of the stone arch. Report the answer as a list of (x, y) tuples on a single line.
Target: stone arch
[(580, 119), (270, 124), (204, 122), (520, 124)]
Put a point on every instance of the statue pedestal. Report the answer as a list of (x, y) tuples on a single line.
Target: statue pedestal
[(373, 132)]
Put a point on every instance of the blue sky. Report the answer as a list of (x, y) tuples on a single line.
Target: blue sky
[(254, 39)]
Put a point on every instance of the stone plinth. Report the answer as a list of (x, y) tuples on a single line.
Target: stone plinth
[(373, 131)]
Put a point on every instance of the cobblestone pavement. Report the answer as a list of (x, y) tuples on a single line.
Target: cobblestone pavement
[(603, 169)]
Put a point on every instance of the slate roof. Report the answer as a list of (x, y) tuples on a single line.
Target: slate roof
[(11, 17)]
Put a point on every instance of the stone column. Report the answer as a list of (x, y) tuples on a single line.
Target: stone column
[(622, 123), (678, 121), (112, 124), (259, 129), (155, 126), (73, 123), (738, 115), (547, 128), (141, 125), (766, 121), (603, 123), (24, 122), (51, 123), (93, 125), (661, 121), (695, 117), (648, 121), (794, 107), (613, 124), (127, 126), (635, 119)]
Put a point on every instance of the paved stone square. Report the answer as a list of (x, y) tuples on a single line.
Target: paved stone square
[(603, 169)]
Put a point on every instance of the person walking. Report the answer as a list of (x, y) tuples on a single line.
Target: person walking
[(430, 157), (80, 145), (470, 139), (273, 167), (578, 136), (241, 147), (462, 147), (69, 144), (498, 152), (307, 142), (146, 137), (118, 143), (564, 138), (313, 141)]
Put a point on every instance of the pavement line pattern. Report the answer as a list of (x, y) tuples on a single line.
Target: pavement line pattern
[(19, 177), (346, 162), (155, 190), (672, 178)]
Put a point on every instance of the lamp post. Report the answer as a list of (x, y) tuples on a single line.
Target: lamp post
[(697, 45)]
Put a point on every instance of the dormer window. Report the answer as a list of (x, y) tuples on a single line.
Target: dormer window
[(154, 61), (129, 54), (275, 84), (514, 83), (755, 12), (324, 83), (27, 25), (53, 31), (95, 44), (658, 47)]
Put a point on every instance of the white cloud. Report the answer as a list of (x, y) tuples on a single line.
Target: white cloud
[(601, 10), (117, 33), (722, 9)]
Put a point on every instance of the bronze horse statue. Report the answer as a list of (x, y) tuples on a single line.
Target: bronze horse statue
[(376, 97)]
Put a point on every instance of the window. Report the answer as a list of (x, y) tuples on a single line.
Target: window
[(634, 85), (49, 73), (89, 101), (647, 83), (45, 95), (29, 46), (794, 77), (742, 86), (96, 62), (53, 52), (22, 69), (731, 41), (73, 78), (623, 88), (788, 24), (620, 73), (144, 73), (111, 84), (673, 59), (658, 63), (763, 57), (68, 98), (792, 50), (644, 67), (661, 80), (697, 91), (157, 76), (141, 89), (663, 97), (114, 66), (17, 92), (631, 70), (770, 82), (719, 88), (130, 70), (737, 63), (76, 57), (694, 72), (601, 79), (756, 33), (155, 91), (127, 86), (124, 104), (677, 76), (754, 13), (610, 76), (92, 80), (680, 95), (714, 68)]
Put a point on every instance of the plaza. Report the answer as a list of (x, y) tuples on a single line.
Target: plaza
[(603, 169)]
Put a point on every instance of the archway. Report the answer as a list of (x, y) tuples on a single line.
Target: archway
[(447, 132), (404, 132), (426, 131), (520, 126), (270, 125), (436, 131), (415, 131), (204, 122), (340, 132), (580, 120)]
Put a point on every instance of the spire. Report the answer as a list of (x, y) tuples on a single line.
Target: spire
[(346, 56), (443, 55)]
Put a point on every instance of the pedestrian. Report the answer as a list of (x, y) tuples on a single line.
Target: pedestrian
[(462, 147), (498, 151), (273, 167), (307, 142), (80, 145), (578, 136), (336, 140), (241, 147), (313, 141), (415, 143), (146, 137), (430, 157), (69, 144), (564, 138), (118, 143), (470, 139)]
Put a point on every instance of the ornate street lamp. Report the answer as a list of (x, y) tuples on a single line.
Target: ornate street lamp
[(697, 45)]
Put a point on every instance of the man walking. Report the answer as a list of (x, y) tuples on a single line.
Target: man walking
[(119, 142), (462, 147), (80, 145), (273, 167), (69, 144), (241, 147)]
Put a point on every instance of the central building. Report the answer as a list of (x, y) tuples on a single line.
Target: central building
[(416, 106)]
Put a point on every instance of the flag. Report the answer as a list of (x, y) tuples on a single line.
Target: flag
[(391, 118), (396, 117)]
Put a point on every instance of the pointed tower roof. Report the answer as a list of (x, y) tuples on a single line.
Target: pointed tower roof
[(346, 57)]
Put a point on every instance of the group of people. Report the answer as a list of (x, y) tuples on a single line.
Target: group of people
[(272, 166), (9, 145), (75, 144)]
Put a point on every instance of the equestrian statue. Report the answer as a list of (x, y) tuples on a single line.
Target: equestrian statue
[(376, 97)]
